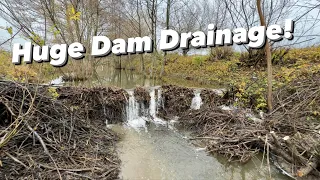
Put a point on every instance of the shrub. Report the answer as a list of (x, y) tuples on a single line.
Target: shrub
[(253, 58), (199, 60), (221, 53)]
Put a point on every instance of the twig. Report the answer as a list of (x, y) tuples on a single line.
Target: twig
[(73, 170), (11, 37), (80, 175), (16, 160), (44, 147)]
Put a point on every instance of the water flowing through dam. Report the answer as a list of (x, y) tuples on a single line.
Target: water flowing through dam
[(152, 148), (196, 101)]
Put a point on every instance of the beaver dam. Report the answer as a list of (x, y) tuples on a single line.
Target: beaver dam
[(69, 133)]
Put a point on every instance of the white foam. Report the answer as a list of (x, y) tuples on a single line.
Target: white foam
[(153, 104), (58, 81), (196, 101), (132, 113), (138, 123)]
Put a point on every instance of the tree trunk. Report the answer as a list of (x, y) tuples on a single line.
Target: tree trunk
[(268, 53), (167, 26), (140, 35), (185, 52)]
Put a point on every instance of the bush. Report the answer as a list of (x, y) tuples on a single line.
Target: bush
[(199, 60), (253, 58), (278, 56), (300, 56), (221, 53)]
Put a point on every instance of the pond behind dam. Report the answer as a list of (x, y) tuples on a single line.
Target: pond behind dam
[(107, 75)]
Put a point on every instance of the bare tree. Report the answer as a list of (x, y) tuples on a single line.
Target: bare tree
[(167, 27), (268, 53)]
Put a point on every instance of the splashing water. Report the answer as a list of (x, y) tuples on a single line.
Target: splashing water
[(132, 113), (154, 103), (137, 115), (196, 101)]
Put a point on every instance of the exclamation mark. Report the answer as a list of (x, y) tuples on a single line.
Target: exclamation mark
[(289, 27)]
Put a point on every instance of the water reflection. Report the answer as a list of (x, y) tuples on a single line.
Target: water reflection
[(109, 76)]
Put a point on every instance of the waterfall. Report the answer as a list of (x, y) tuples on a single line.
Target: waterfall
[(132, 113), (154, 105), (137, 115), (132, 108), (196, 101)]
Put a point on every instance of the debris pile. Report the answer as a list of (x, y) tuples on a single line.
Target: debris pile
[(225, 132), (99, 103), (176, 100), (290, 134), (49, 133), (212, 98), (142, 95)]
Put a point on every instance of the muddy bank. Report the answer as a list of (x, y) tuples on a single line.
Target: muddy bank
[(58, 133)]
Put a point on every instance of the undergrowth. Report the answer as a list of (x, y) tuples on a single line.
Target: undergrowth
[(25, 72)]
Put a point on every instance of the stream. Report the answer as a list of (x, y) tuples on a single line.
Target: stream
[(151, 148)]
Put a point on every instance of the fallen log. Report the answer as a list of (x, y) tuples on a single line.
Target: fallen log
[(310, 166), (278, 151), (293, 150)]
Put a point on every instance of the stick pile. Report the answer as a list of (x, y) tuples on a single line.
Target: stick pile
[(291, 132), (176, 100), (48, 133)]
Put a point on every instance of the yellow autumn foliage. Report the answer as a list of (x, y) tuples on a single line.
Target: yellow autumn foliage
[(24, 72)]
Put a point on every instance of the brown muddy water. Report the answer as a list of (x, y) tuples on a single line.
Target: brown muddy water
[(157, 152)]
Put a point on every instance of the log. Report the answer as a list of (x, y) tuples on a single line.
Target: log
[(275, 139), (293, 150), (310, 166), (278, 151)]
